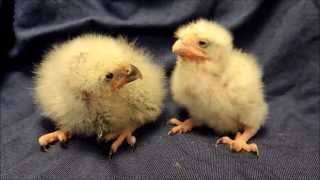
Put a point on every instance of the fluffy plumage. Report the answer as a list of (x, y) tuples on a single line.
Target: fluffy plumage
[(219, 85), (87, 86)]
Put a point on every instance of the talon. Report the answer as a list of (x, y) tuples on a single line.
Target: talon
[(124, 135), (252, 148), (110, 154), (257, 153), (219, 141), (44, 148), (134, 148)]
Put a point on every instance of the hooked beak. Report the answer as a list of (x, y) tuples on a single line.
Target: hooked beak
[(188, 51), (124, 76)]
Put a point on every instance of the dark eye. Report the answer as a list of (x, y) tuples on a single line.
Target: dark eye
[(109, 76), (203, 43)]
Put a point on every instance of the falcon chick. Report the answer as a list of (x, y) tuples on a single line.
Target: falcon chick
[(98, 85), (219, 85)]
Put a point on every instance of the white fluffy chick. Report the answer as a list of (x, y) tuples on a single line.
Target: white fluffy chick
[(219, 85), (98, 85)]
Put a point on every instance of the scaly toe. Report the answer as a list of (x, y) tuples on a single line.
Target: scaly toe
[(175, 121), (50, 138), (224, 140), (237, 146), (175, 130)]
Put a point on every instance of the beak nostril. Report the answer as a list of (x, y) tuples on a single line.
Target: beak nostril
[(109, 76), (127, 70)]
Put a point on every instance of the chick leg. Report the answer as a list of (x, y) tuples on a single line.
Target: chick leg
[(181, 127), (124, 135), (47, 139), (240, 141)]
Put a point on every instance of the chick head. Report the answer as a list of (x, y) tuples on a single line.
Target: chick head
[(102, 67), (201, 40)]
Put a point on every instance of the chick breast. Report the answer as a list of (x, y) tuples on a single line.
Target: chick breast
[(225, 102), (70, 89)]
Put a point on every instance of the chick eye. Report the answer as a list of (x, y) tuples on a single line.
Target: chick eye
[(109, 76), (203, 43)]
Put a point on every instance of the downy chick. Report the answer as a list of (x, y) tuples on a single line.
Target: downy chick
[(98, 85), (220, 86)]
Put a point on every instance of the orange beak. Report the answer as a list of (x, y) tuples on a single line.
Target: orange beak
[(188, 51), (124, 76)]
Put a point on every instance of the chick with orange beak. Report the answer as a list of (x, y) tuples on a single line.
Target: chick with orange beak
[(98, 85), (219, 85), (190, 49)]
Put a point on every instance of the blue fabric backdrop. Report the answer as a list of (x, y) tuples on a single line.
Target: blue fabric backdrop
[(284, 35)]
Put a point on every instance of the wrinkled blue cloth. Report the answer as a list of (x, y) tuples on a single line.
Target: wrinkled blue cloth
[(284, 35)]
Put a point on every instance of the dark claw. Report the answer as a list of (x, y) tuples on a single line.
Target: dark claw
[(44, 148), (110, 154), (64, 144), (257, 154), (133, 147)]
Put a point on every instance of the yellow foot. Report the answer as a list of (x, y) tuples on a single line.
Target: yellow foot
[(47, 139), (126, 134), (180, 127), (238, 144)]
